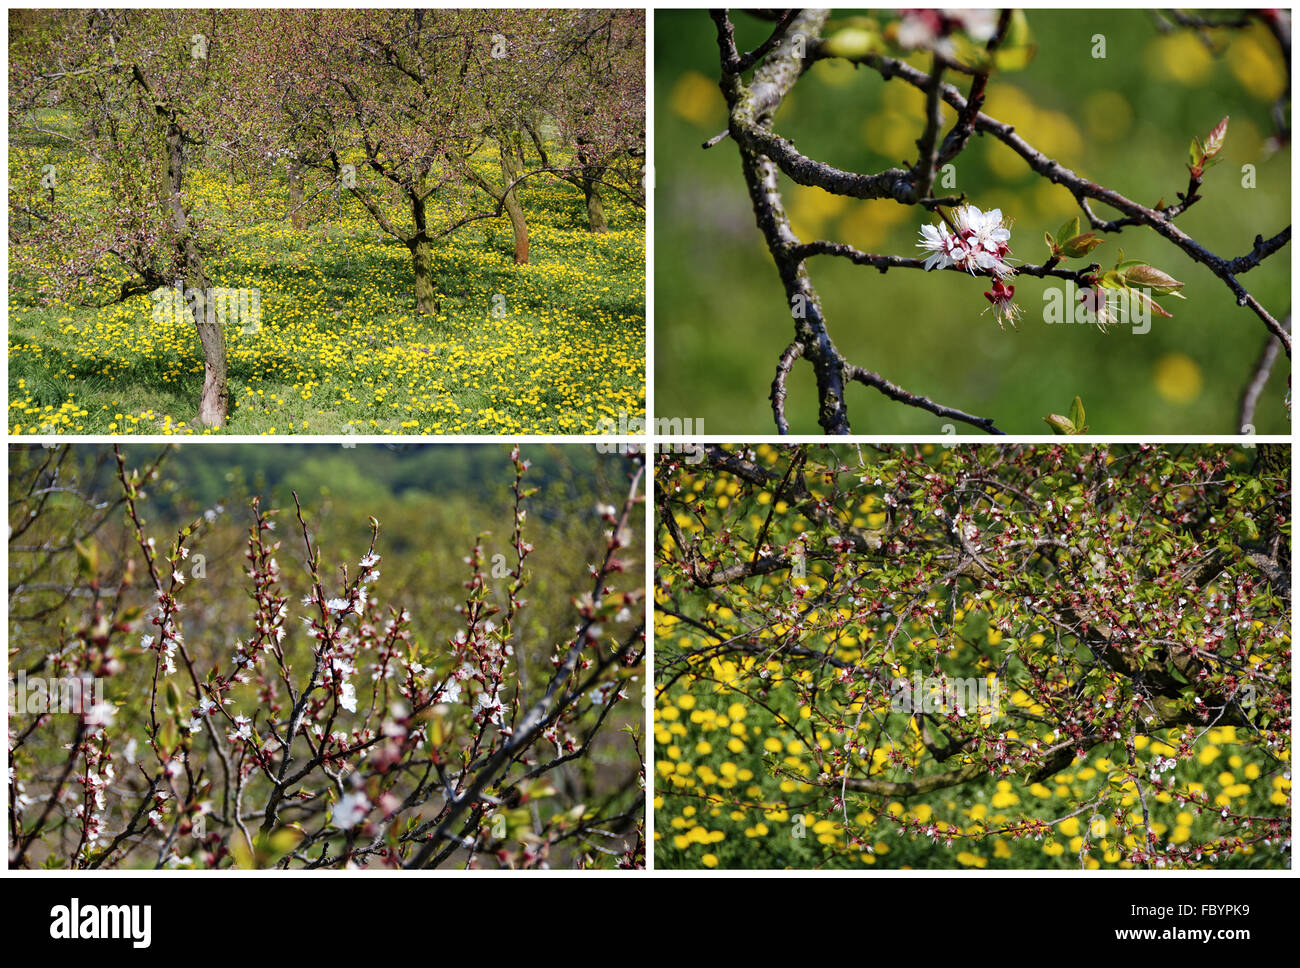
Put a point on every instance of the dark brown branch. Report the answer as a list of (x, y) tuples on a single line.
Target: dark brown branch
[(762, 153), (928, 163), (897, 393), (747, 61), (778, 394), (1262, 250), (957, 138), (886, 262)]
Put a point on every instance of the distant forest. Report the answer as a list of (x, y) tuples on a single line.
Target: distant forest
[(201, 475)]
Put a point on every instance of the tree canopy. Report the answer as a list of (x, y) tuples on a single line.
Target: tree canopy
[(973, 646)]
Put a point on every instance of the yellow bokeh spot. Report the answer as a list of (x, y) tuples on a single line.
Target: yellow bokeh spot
[(1107, 115), (1177, 378), (697, 99), (1181, 56), (1255, 63)]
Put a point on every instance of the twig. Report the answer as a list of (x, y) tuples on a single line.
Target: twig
[(1258, 380)]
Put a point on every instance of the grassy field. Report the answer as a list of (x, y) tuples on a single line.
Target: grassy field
[(550, 347)]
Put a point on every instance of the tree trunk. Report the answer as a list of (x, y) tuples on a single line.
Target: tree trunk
[(214, 399), (511, 202), (426, 293), (595, 207), (589, 176), (297, 217), (520, 227)]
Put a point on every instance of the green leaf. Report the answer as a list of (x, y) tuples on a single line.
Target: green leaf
[(966, 52), (1154, 306), (1077, 415), (1014, 58), (1018, 32), (1149, 277), (1081, 245), (172, 698), (1018, 47), (1062, 426)]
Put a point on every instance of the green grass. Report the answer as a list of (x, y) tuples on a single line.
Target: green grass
[(550, 347)]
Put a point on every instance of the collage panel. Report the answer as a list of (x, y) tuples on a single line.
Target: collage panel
[(412, 450), (326, 222), (325, 657), (1028, 222), (973, 657)]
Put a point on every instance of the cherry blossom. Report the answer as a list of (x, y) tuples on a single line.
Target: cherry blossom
[(978, 243), (1002, 300)]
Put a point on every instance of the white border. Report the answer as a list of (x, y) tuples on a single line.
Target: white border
[(652, 442)]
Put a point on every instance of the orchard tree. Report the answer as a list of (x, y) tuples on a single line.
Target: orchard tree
[(132, 96), (597, 106), (972, 48), (395, 104), (943, 639), (281, 713), (396, 108), (521, 49)]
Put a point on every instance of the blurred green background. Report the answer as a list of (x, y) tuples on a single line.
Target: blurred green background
[(434, 502), (1124, 121)]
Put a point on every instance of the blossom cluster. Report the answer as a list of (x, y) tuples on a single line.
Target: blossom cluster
[(977, 242)]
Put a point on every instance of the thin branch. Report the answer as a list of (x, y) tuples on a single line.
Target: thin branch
[(1085, 190), (1258, 380), (897, 393), (778, 394)]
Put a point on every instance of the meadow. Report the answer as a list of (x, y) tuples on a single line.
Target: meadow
[(550, 347), (731, 791)]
